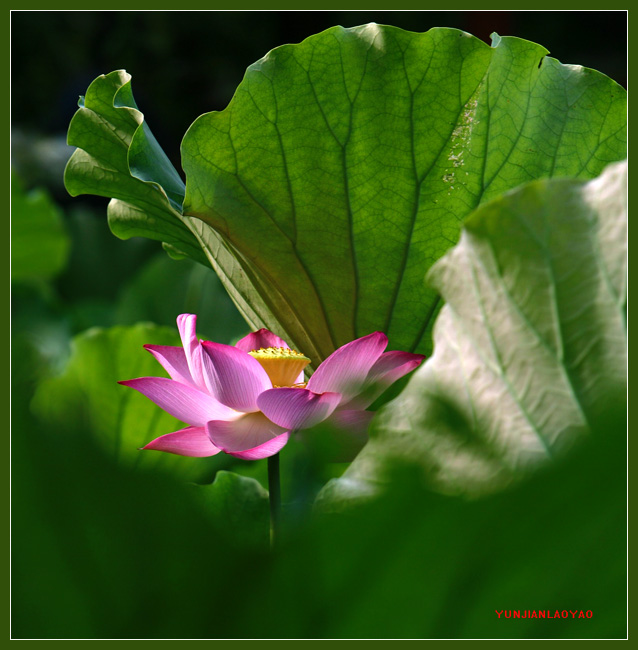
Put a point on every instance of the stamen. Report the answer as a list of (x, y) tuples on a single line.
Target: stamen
[(282, 365)]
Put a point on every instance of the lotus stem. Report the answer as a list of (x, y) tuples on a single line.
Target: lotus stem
[(274, 489)]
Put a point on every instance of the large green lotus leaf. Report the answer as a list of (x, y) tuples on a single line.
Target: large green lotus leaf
[(344, 167), (120, 419), (530, 348), (39, 241)]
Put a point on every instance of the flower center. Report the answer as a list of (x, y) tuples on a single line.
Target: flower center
[(282, 365)]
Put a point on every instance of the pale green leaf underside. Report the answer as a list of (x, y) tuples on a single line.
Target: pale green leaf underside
[(345, 165), (121, 419), (529, 349)]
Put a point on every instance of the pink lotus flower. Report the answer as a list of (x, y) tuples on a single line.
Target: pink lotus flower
[(247, 399)]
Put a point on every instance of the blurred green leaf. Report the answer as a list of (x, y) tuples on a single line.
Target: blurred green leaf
[(530, 348), (120, 419), (240, 505), (419, 565), (94, 249), (344, 167), (100, 551), (164, 288), (39, 241)]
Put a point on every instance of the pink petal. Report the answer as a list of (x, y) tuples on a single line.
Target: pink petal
[(234, 377), (192, 347), (345, 370), (192, 441), (297, 408), (262, 338), (173, 360), (184, 402), (393, 365), (388, 368), (251, 437), (186, 325)]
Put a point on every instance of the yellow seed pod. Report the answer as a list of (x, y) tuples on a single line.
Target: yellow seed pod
[(282, 365)]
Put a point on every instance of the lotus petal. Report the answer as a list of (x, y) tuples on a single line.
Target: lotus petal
[(297, 408), (346, 370), (184, 402), (251, 437), (192, 441)]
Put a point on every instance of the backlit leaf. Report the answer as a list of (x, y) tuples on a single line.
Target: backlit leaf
[(529, 350), (344, 167)]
